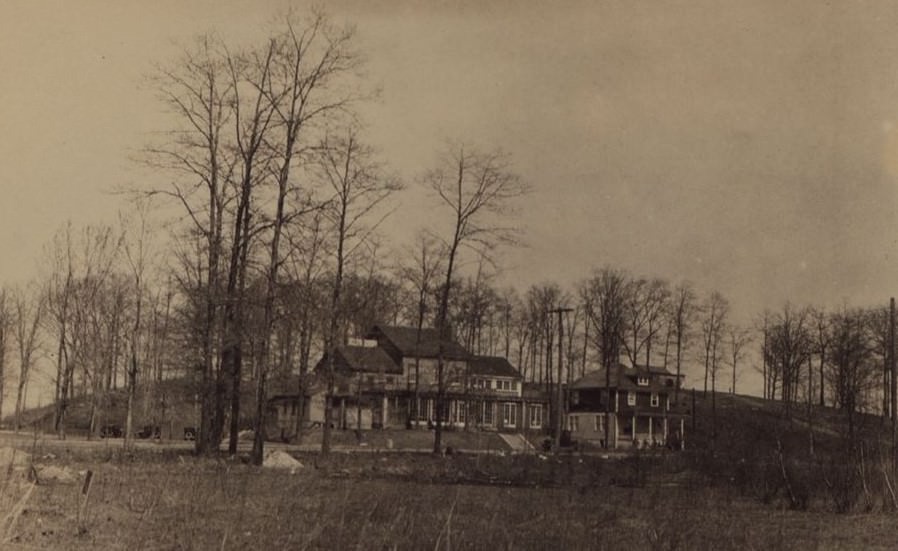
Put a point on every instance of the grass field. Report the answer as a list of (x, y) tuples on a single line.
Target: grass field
[(404, 501), (750, 480)]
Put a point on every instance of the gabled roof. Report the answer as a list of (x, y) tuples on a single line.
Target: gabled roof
[(622, 377), (405, 339), (534, 391), (368, 359), (496, 366)]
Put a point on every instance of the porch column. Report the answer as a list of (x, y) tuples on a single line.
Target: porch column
[(633, 431), (651, 436), (665, 430), (342, 413), (682, 435), (616, 429), (386, 413)]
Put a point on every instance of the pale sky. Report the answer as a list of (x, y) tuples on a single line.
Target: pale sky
[(748, 146)]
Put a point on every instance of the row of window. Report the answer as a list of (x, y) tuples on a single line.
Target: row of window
[(631, 399), (482, 413), (573, 424), (497, 384), (644, 381)]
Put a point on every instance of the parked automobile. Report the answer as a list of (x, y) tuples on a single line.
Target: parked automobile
[(149, 431), (111, 431)]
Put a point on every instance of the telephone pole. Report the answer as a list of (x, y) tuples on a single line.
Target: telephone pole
[(893, 382), (559, 396)]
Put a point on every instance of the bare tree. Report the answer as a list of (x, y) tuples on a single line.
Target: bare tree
[(476, 188), (852, 369), (420, 271), (821, 344), (359, 186), (606, 294), (737, 339), (305, 61), (199, 94), (29, 310), (713, 324), (657, 303), (245, 120), (683, 312), (80, 264), (789, 344), (6, 325), (137, 254)]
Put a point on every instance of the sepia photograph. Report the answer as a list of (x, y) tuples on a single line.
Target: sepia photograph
[(432, 274)]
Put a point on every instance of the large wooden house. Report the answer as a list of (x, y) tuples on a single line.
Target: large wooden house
[(628, 407), (388, 379)]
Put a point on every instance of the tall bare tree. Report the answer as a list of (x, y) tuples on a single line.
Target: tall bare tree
[(737, 338), (683, 312), (477, 189), (304, 61), (852, 369), (789, 345), (29, 310), (713, 325), (419, 270), (137, 254), (199, 94), (244, 120), (714, 322), (358, 185), (606, 294), (6, 325)]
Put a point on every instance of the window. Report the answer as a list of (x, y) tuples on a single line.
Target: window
[(487, 413), (536, 417), (573, 423), (509, 414), (598, 423), (654, 399), (389, 380), (642, 381), (458, 411), (631, 398), (514, 385)]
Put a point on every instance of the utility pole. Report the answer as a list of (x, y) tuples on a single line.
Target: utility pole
[(559, 397), (893, 385)]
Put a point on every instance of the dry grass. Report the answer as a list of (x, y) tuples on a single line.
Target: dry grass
[(412, 502)]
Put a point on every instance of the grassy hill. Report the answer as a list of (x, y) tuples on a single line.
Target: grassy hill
[(170, 404), (751, 425)]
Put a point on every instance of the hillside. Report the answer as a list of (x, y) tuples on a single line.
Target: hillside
[(171, 405), (745, 423)]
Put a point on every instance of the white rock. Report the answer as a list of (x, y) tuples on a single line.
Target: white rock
[(278, 459)]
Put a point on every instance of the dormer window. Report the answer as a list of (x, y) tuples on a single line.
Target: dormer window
[(642, 381)]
